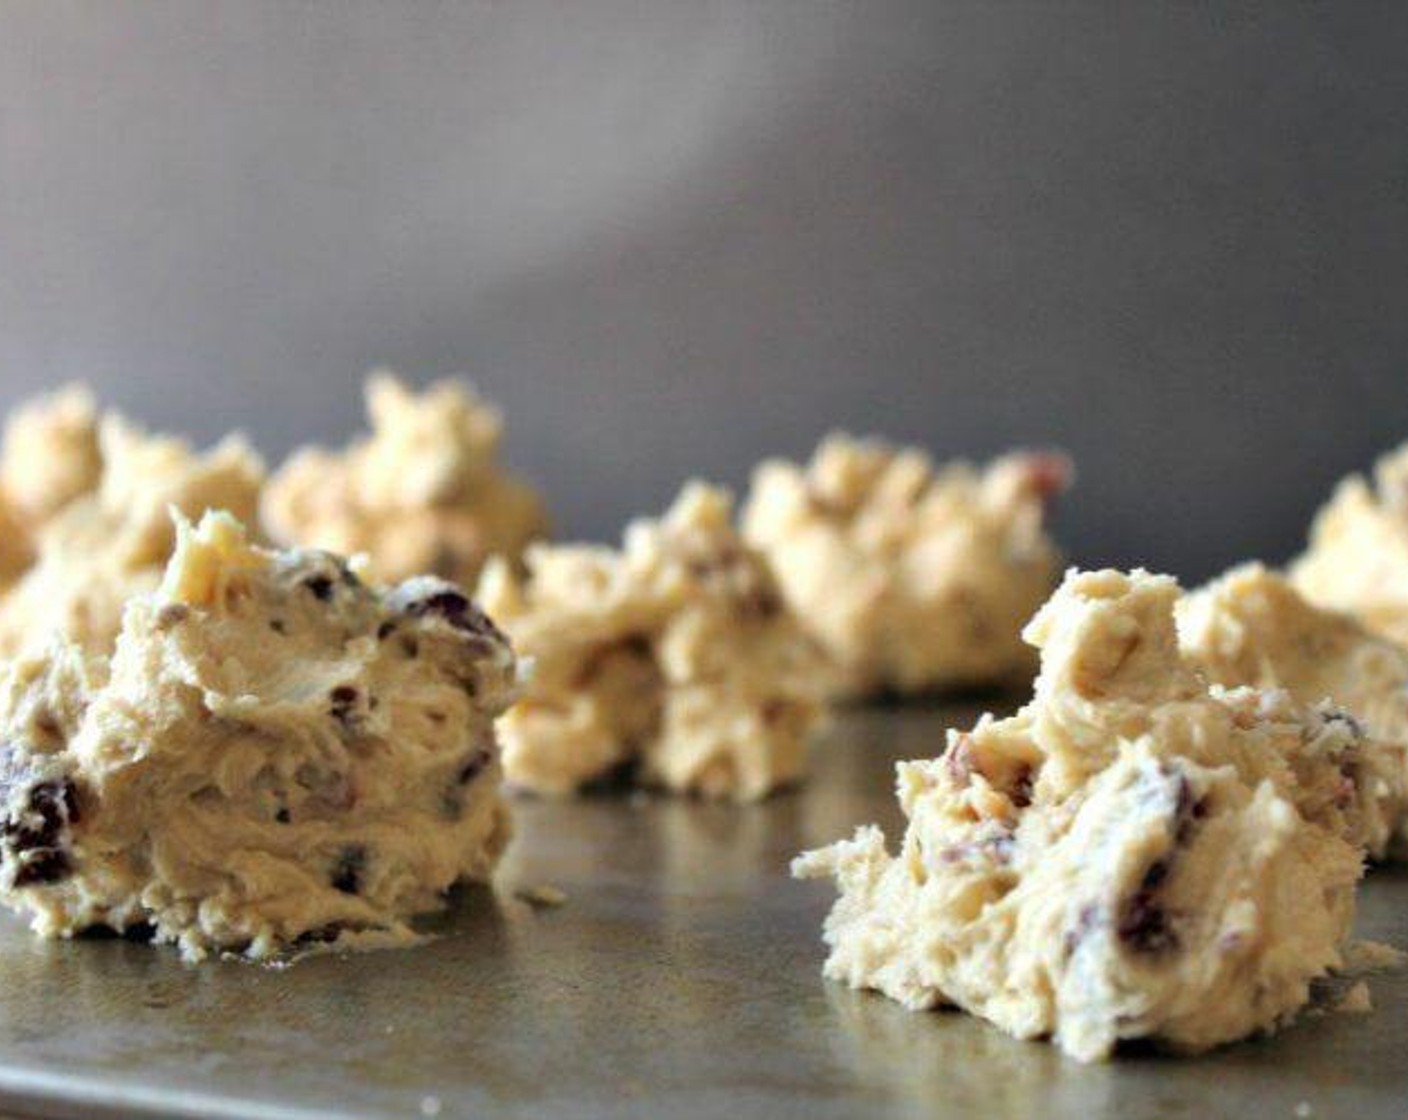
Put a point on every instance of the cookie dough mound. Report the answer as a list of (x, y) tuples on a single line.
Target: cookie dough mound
[(110, 545), (16, 545), (675, 656), (276, 754), (1358, 556), (50, 454), (423, 494), (1251, 627), (1134, 854), (913, 579)]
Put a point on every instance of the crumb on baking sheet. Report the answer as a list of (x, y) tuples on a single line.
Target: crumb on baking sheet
[(544, 895), (1371, 956), (1356, 1001)]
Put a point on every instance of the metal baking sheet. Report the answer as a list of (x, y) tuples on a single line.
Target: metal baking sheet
[(680, 977)]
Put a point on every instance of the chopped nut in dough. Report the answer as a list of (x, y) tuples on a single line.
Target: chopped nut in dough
[(913, 579), (675, 655), (275, 755), (1358, 556), (423, 493), (1135, 854), (107, 546), (1251, 627)]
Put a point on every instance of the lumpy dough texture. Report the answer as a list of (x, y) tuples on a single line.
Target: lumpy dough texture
[(913, 579), (1251, 627), (1358, 555), (424, 493), (1134, 854), (51, 453), (48, 458), (675, 656), (276, 754), (109, 545)]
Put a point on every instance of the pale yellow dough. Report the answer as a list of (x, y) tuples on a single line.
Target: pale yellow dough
[(49, 457), (51, 453), (1134, 854), (675, 655), (16, 545), (1357, 560), (913, 579), (275, 755), (1251, 627), (424, 493), (106, 546)]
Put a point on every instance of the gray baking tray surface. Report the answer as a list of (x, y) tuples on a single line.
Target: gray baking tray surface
[(680, 977)]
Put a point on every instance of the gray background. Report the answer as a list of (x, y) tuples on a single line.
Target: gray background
[(672, 237)]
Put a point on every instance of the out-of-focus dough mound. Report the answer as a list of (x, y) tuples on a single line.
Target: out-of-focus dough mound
[(16, 545), (111, 544), (1251, 627), (676, 656), (49, 456), (913, 579), (1357, 560), (424, 493), (275, 754), (1135, 854)]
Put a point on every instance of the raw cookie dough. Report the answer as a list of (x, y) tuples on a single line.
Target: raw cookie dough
[(49, 457), (1358, 555), (107, 546), (276, 754), (16, 547), (423, 493), (1133, 855), (912, 579), (675, 656), (50, 454), (1251, 627)]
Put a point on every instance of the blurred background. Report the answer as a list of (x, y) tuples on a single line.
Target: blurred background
[(672, 238)]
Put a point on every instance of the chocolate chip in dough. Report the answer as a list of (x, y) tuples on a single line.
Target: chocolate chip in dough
[(347, 872)]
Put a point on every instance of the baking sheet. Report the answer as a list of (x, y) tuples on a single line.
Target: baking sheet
[(680, 977)]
